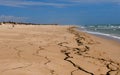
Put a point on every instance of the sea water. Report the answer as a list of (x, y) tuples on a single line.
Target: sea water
[(109, 30)]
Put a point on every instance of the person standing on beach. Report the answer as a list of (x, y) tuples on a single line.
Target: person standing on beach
[(13, 26)]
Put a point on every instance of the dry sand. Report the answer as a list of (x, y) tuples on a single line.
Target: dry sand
[(56, 50)]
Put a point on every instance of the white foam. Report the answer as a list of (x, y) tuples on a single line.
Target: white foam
[(98, 33)]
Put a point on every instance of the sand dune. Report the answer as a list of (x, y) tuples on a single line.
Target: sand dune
[(55, 50)]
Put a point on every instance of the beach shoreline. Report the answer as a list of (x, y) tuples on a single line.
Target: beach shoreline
[(99, 34), (56, 50), (107, 36)]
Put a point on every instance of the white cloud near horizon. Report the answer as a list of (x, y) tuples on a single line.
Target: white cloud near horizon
[(23, 3), (12, 18)]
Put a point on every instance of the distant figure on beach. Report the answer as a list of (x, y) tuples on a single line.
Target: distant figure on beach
[(13, 26)]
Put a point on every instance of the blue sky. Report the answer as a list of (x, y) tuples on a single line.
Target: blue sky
[(61, 11)]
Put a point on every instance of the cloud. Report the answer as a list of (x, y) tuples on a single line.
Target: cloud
[(55, 3), (12, 18), (94, 1), (23, 3)]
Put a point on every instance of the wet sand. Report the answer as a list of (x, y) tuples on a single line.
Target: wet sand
[(56, 50), (108, 38)]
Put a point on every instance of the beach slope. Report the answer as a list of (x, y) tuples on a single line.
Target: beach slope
[(55, 50)]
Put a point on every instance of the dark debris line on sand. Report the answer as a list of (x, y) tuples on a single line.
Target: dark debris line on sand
[(83, 53)]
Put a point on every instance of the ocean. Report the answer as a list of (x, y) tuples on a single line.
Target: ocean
[(108, 30)]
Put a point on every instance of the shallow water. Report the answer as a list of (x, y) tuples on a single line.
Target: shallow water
[(110, 31)]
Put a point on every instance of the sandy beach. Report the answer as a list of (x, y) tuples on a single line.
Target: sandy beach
[(56, 50)]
